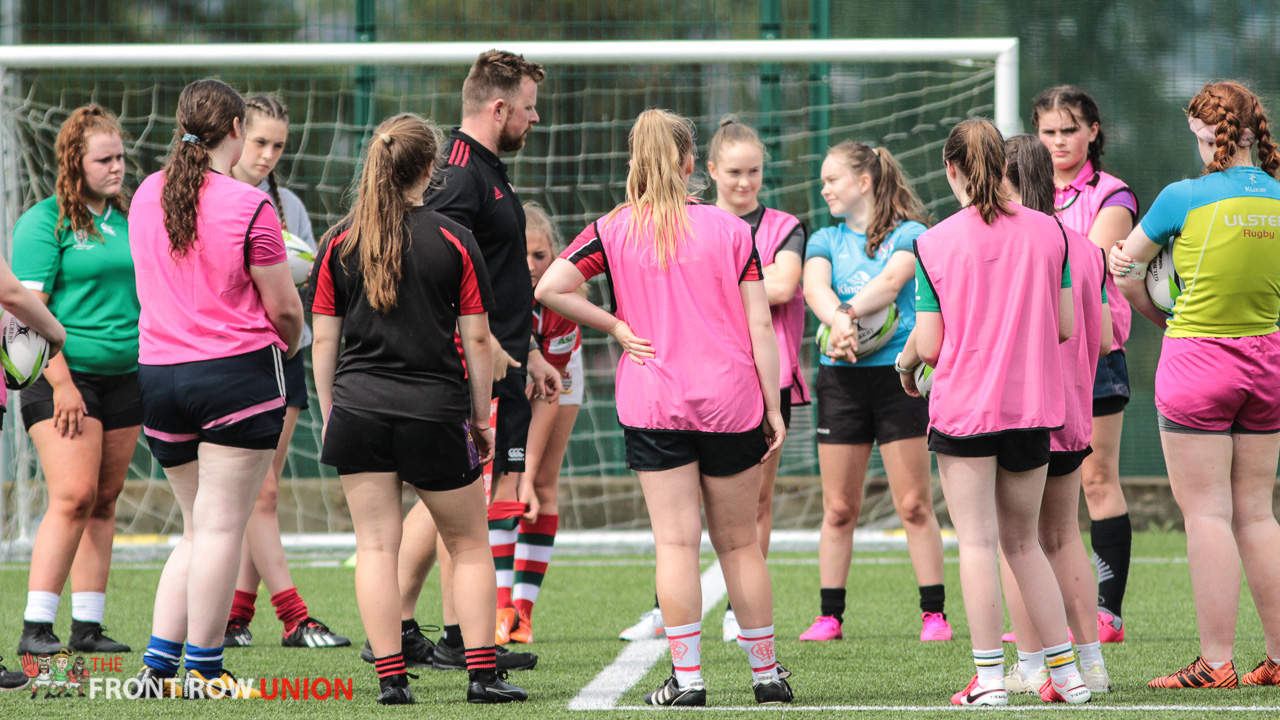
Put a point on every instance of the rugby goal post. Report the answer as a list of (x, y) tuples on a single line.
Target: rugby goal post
[(803, 95)]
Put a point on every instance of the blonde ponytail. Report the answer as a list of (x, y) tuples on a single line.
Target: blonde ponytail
[(657, 193)]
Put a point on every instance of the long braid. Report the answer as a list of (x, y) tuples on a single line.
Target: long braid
[(275, 198), (1267, 151), (1228, 136)]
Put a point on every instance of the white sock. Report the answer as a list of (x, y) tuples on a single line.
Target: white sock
[(1030, 663), (42, 607), (758, 645), (1216, 665), (686, 652), (1061, 660), (1275, 659), (1090, 655), (88, 606), (990, 664)]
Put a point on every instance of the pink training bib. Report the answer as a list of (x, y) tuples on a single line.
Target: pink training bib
[(1080, 353), (788, 317), (997, 286), (703, 378), (204, 305)]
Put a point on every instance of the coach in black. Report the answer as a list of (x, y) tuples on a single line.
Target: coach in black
[(498, 99)]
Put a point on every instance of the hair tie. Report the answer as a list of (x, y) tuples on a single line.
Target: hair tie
[(192, 139), (1209, 134), (385, 137)]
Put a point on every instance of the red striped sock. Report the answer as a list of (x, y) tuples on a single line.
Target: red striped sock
[(243, 606), (485, 658), (504, 518), (758, 645), (289, 608), (389, 665), (686, 652), (533, 554)]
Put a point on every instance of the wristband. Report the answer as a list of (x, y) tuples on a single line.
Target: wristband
[(897, 365), (533, 345)]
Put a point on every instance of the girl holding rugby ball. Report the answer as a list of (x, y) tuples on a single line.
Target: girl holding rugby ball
[(862, 266)]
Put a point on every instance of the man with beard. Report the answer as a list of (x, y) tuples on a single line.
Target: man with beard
[(498, 99)]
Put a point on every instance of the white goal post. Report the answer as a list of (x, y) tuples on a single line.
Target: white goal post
[(573, 176)]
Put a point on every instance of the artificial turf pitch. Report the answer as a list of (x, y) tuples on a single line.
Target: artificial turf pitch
[(880, 669)]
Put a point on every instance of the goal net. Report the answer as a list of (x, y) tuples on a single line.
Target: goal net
[(802, 97)]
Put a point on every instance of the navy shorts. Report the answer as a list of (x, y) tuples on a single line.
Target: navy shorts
[(295, 381), (512, 430), (432, 456), (1111, 385), (113, 400), (1014, 450), (717, 454), (235, 401)]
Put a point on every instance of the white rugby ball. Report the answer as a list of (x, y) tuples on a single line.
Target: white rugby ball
[(924, 379), (301, 256), (876, 329), (24, 353), (1163, 284)]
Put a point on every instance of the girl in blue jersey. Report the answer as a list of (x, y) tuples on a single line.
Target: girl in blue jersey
[(1216, 391), (860, 267)]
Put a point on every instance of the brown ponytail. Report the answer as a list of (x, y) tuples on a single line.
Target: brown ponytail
[(207, 111), (975, 149), (268, 107), (1028, 167), (895, 201), (401, 150), (1233, 109), (71, 146)]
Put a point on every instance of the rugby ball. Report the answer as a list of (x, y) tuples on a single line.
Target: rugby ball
[(1163, 284), (875, 330), (300, 255), (24, 353), (823, 338), (924, 379)]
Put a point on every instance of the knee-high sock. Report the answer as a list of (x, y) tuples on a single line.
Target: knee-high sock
[(504, 519), (1112, 541), (533, 554)]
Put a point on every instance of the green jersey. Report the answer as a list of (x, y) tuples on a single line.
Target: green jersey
[(90, 284)]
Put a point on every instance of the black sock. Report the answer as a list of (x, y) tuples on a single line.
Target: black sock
[(728, 606), (933, 598), (832, 603), (656, 606), (452, 636), (1112, 541), (408, 626)]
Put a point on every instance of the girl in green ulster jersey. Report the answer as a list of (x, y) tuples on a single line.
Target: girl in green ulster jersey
[(262, 555), (84, 413)]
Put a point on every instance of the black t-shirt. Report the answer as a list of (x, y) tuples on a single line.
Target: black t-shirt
[(795, 241), (404, 364), (473, 189)]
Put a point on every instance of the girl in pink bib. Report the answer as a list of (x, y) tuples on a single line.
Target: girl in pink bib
[(993, 303), (698, 376), (1101, 206), (1029, 181)]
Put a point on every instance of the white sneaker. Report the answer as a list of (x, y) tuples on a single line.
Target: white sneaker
[(1097, 679), (1016, 684), (730, 626), (648, 628)]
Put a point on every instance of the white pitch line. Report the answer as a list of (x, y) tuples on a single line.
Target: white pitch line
[(956, 708), (637, 658)]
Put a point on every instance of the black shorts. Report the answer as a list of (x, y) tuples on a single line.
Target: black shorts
[(784, 406), (1111, 385), (295, 381), (859, 405), (1014, 450), (1065, 462), (717, 454), (235, 401), (113, 400), (432, 456), (512, 430)]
